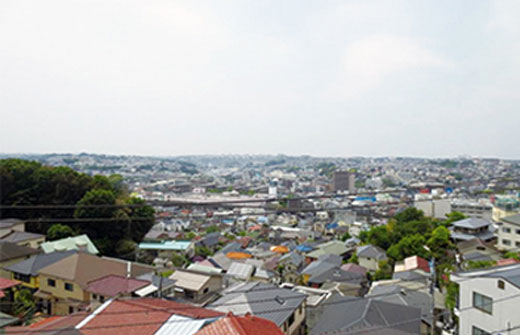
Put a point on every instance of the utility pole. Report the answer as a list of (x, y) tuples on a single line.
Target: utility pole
[(432, 292)]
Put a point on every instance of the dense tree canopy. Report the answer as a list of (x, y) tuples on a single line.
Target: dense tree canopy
[(99, 204)]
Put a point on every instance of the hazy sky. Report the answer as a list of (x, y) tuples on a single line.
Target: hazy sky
[(342, 78)]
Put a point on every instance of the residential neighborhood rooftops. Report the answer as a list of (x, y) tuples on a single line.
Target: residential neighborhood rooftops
[(190, 280), (332, 247), (80, 242)]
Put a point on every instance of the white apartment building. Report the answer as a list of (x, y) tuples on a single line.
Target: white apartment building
[(508, 233), (489, 301)]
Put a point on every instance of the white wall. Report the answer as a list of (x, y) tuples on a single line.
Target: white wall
[(506, 312)]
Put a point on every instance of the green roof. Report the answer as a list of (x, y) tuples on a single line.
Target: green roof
[(331, 247), (81, 242)]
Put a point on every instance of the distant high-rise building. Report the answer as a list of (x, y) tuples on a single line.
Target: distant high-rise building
[(343, 181)]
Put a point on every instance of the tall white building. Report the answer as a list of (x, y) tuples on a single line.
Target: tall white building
[(489, 301)]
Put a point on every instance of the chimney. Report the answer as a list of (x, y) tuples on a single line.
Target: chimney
[(128, 269)]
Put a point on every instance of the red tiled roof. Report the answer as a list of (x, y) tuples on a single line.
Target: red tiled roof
[(7, 283), (113, 285), (507, 261), (140, 316), (245, 325)]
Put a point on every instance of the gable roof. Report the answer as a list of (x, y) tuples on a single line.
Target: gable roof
[(332, 247), (370, 251), (113, 285), (32, 265), (8, 223), (240, 270), (337, 275), (346, 314), (270, 302), (241, 325), (190, 280), (9, 250), (82, 268), (80, 242)]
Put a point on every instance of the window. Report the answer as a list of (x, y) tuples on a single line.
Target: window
[(478, 331), (482, 302), (501, 284), (94, 296), (506, 242), (71, 309), (517, 244), (517, 232), (22, 277), (51, 282), (206, 290), (101, 298), (69, 287), (506, 230)]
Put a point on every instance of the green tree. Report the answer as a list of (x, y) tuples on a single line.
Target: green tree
[(453, 217), (353, 259), (379, 236), (439, 243), (384, 272), (24, 304), (345, 236), (190, 235), (412, 245), (409, 214), (179, 260), (58, 231), (203, 251), (480, 264), (212, 229)]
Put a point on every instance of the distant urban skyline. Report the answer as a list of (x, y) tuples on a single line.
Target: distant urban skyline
[(401, 78)]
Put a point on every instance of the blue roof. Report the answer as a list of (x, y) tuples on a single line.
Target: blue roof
[(333, 225), (304, 248), (165, 245)]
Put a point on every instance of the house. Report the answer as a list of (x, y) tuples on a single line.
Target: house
[(412, 263), (11, 253), (352, 267), (143, 316), (345, 315), (114, 286), (241, 325), (509, 233), (159, 286), (323, 264), (477, 250), (26, 271), (488, 300), (78, 243), (31, 240), (356, 282), (165, 249), (290, 266), (471, 228), (413, 294), (63, 284), (333, 247), (8, 225), (284, 307), (240, 271), (369, 256), (196, 287)]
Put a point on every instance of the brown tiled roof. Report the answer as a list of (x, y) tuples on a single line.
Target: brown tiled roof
[(82, 268), (241, 325), (112, 285)]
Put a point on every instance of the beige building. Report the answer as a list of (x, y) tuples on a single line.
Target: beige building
[(196, 286), (63, 285), (508, 233)]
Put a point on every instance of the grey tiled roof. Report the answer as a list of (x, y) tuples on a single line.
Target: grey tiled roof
[(511, 274), (257, 297), (471, 223), (514, 219), (371, 251), (348, 314)]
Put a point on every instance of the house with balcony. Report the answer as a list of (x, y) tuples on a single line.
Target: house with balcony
[(488, 300), (471, 228), (509, 233)]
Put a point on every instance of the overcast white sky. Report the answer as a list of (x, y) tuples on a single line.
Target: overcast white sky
[(326, 78)]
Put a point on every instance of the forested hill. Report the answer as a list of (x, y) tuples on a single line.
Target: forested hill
[(114, 229)]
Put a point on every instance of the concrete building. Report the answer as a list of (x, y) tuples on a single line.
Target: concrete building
[(473, 209), (343, 181), (488, 301), (435, 208), (508, 233)]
